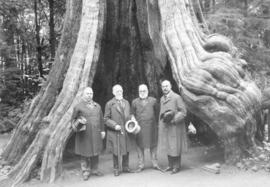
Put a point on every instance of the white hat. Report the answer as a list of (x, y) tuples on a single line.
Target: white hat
[(134, 130)]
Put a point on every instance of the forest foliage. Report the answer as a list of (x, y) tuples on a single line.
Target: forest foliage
[(27, 49), (30, 31)]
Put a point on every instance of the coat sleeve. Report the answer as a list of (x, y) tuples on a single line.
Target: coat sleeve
[(156, 109), (101, 120), (128, 111), (107, 117), (133, 108), (181, 110)]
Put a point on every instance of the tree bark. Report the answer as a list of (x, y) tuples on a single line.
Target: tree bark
[(132, 42), (214, 85)]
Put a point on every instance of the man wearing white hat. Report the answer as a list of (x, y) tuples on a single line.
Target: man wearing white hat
[(145, 110)]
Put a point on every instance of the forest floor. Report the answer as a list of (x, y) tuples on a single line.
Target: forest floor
[(191, 175)]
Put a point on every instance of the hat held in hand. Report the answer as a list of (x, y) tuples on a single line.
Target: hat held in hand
[(132, 126), (79, 124), (167, 116)]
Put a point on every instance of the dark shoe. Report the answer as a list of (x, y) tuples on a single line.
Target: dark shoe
[(127, 170), (116, 172), (157, 168), (175, 170), (97, 173), (168, 169)]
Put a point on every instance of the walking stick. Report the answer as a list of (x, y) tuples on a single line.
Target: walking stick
[(119, 156)]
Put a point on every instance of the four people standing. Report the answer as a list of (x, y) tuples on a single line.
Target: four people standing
[(167, 124)]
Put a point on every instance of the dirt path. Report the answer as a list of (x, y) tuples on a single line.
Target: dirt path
[(191, 175)]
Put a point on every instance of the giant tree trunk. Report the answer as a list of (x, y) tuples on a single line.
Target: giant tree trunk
[(131, 42)]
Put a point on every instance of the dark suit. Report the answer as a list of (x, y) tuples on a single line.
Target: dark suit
[(173, 133), (146, 113), (118, 114), (88, 143)]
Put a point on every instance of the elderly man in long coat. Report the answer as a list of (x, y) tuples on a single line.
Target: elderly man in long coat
[(145, 110), (117, 113), (172, 126), (88, 143)]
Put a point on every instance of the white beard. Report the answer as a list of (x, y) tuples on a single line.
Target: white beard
[(119, 97), (143, 96)]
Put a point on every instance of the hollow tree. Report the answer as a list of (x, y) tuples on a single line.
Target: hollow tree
[(131, 42)]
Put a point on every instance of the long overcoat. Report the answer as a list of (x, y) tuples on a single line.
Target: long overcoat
[(118, 114), (146, 112), (173, 135), (89, 142)]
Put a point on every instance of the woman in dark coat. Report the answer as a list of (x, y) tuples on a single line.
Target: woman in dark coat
[(88, 143)]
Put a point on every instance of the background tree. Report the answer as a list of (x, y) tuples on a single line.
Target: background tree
[(20, 78)]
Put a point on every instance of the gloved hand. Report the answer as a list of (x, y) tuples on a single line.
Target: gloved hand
[(167, 116), (133, 118), (117, 127), (103, 134), (191, 129)]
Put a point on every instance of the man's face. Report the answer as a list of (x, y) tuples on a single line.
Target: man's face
[(88, 94), (143, 91), (166, 87), (118, 92)]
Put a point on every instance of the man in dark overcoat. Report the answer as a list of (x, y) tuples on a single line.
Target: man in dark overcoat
[(145, 110), (119, 142), (88, 143), (172, 126)]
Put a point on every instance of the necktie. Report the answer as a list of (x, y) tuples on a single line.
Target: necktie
[(165, 97), (121, 103)]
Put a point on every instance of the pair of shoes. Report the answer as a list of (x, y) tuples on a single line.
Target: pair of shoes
[(97, 173), (116, 172), (85, 175), (127, 170), (168, 169), (175, 170), (140, 169), (157, 168)]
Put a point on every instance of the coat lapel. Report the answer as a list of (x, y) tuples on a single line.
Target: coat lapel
[(119, 108), (143, 106), (164, 101)]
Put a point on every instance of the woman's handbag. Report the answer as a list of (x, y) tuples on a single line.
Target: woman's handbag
[(79, 124)]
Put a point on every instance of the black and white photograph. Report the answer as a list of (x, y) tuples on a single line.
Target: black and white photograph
[(134, 93)]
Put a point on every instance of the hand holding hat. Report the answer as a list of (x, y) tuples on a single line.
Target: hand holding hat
[(79, 124), (167, 116), (132, 126)]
